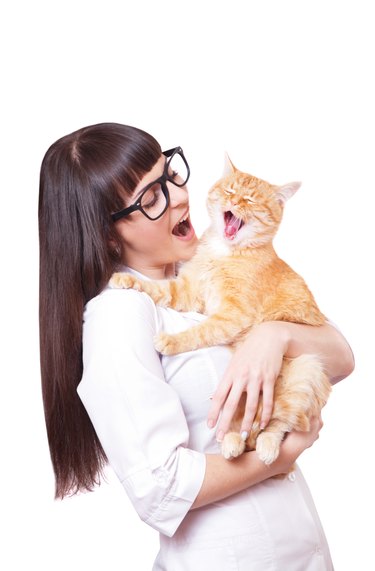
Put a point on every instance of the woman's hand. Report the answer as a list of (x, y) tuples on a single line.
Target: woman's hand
[(295, 443), (253, 369)]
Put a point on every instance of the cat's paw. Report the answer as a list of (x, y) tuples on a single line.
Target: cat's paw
[(232, 446), (268, 447), (122, 281), (166, 344)]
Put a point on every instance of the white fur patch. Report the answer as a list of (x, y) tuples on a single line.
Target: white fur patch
[(218, 246)]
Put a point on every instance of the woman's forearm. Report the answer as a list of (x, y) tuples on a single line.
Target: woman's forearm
[(325, 341), (226, 477)]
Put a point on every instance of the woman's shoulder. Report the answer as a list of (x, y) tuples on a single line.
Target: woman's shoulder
[(114, 303)]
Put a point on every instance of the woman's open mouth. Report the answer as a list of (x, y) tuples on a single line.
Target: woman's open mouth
[(232, 225), (184, 229)]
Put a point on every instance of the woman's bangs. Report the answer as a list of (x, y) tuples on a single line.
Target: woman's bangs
[(139, 157)]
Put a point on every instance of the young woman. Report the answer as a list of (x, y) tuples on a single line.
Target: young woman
[(109, 200)]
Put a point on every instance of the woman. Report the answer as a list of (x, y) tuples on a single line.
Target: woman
[(110, 199)]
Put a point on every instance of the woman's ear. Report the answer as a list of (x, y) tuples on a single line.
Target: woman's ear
[(114, 247)]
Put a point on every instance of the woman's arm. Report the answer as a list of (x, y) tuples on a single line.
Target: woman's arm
[(136, 414), (326, 342), (256, 364), (223, 478)]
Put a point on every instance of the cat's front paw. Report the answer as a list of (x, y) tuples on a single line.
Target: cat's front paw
[(268, 447), (166, 344), (121, 280), (232, 446)]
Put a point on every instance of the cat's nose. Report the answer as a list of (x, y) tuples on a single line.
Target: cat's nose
[(234, 200)]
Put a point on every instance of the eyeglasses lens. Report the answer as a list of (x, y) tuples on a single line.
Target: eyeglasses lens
[(154, 201), (177, 170)]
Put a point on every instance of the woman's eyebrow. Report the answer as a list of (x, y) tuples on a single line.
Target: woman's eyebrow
[(150, 183)]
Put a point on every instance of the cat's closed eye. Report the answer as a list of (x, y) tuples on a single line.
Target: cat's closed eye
[(249, 199)]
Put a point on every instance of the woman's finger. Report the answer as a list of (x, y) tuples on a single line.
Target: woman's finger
[(252, 402), (217, 402), (228, 411)]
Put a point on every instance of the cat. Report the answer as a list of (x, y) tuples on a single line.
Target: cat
[(237, 279)]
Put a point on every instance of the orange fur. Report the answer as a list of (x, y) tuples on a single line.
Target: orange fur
[(237, 280)]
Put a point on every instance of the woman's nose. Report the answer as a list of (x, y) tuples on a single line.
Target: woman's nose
[(177, 195)]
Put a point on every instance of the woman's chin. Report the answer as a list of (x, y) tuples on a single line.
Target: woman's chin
[(188, 247)]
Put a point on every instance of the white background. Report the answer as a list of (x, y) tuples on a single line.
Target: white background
[(287, 88)]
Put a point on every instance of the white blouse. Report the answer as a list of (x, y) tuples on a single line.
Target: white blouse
[(150, 412)]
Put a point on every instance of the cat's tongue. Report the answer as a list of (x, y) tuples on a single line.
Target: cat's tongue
[(232, 225)]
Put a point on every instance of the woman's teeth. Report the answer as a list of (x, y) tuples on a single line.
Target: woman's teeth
[(182, 227)]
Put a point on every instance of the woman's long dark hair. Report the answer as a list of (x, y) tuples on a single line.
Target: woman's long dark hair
[(84, 177)]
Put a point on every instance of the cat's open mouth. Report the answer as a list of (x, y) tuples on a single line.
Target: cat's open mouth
[(232, 225)]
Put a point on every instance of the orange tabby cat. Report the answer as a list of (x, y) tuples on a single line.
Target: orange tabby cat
[(237, 280)]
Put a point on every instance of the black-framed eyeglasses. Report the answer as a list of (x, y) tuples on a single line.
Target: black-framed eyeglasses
[(153, 200)]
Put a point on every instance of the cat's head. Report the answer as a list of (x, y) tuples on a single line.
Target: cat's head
[(246, 211)]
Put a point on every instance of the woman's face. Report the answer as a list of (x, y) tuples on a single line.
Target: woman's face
[(152, 247)]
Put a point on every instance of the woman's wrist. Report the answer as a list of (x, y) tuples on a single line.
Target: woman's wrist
[(277, 332), (296, 442), (288, 455), (323, 340)]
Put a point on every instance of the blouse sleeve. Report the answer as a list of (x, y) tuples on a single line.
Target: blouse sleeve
[(137, 416)]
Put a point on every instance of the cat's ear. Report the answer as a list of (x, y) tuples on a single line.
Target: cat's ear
[(283, 193), (229, 167)]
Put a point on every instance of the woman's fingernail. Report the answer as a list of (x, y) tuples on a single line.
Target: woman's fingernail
[(220, 436), (262, 425), (244, 435), (210, 423)]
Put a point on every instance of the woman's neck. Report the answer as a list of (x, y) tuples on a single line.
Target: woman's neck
[(155, 272)]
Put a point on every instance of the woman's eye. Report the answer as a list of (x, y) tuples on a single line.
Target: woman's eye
[(172, 174), (151, 197), (150, 204)]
